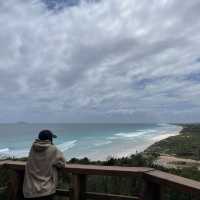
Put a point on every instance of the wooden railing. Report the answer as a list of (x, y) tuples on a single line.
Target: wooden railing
[(154, 181)]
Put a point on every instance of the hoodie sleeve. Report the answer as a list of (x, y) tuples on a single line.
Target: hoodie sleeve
[(60, 160)]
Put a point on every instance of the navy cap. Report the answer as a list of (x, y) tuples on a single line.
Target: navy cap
[(46, 135)]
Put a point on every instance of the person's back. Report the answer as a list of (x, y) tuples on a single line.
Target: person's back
[(41, 169)]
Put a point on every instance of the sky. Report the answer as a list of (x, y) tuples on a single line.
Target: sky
[(100, 61)]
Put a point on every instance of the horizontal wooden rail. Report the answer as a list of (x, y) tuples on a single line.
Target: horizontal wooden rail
[(62, 192), (105, 170), (154, 180), (102, 196), (95, 195), (178, 182), (87, 169)]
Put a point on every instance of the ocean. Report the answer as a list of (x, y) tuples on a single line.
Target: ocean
[(95, 141)]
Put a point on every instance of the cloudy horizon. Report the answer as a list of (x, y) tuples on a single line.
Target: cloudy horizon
[(100, 61)]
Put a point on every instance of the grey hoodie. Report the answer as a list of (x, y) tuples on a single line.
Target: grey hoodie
[(41, 169)]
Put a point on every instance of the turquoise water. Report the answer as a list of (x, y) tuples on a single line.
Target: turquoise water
[(96, 141)]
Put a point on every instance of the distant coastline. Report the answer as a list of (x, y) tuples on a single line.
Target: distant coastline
[(186, 144), (94, 141), (179, 151), (154, 140)]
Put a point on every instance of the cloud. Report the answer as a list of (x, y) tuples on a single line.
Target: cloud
[(108, 60)]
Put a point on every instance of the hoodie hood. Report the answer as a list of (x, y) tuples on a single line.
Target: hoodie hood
[(41, 145)]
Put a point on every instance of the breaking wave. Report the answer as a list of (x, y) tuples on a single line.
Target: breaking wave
[(19, 153), (66, 145), (102, 143), (131, 134)]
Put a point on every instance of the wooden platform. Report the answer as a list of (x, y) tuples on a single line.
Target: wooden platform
[(154, 181)]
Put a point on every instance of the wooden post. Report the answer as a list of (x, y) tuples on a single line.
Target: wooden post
[(78, 186), (15, 185), (70, 193), (152, 191)]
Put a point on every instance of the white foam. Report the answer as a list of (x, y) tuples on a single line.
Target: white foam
[(128, 135), (19, 153), (7, 152), (131, 134), (101, 143), (67, 145), (4, 150), (112, 138)]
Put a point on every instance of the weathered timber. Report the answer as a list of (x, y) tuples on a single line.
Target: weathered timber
[(105, 170), (62, 192), (95, 195), (88, 169), (152, 191), (174, 181), (15, 186), (102, 196), (78, 186), (154, 181), (15, 165)]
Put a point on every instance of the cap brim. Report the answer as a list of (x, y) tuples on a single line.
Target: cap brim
[(54, 136)]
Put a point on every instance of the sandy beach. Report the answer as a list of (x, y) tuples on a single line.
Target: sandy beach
[(153, 140), (169, 161), (94, 141)]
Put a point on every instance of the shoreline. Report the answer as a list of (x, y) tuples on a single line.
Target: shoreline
[(145, 147), (179, 152), (126, 151), (139, 149)]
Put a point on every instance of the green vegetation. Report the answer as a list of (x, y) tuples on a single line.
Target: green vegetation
[(185, 145)]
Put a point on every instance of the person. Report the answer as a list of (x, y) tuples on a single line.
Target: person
[(41, 171)]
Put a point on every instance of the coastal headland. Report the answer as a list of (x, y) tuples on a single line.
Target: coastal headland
[(179, 151)]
